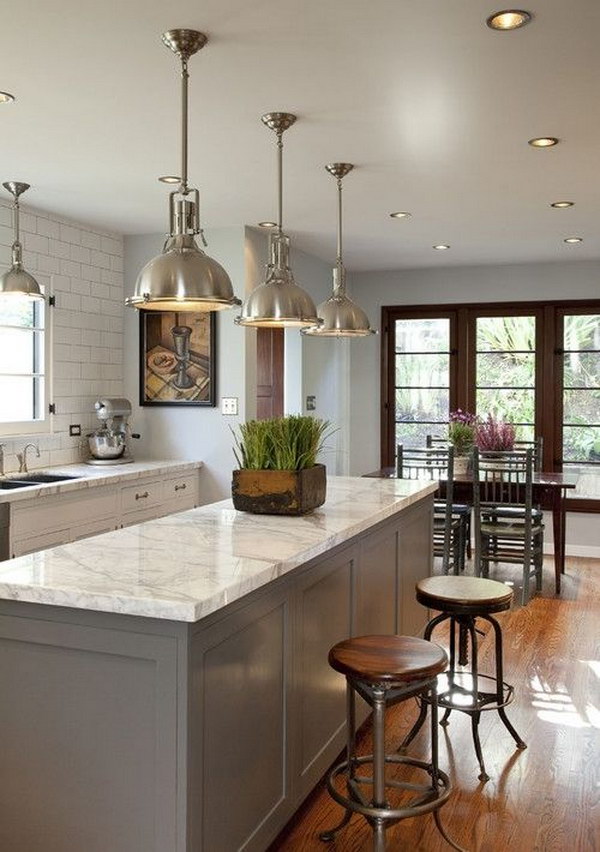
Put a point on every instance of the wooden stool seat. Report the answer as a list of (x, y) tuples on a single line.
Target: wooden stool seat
[(388, 659), (463, 594)]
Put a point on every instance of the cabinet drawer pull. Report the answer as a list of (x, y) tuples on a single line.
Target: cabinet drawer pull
[(180, 487), (142, 496)]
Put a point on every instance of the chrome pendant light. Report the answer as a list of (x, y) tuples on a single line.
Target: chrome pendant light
[(183, 277), (341, 317), (279, 302), (17, 282)]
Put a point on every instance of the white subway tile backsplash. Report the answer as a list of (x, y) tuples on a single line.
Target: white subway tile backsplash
[(91, 240), (82, 266), (100, 258), (68, 234), (35, 243), (70, 268), (112, 246), (80, 253), (48, 228), (59, 249)]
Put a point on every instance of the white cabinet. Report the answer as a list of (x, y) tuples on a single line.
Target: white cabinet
[(53, 519)]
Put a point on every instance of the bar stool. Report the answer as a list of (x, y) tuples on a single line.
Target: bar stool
[(384, 670), (463, 600)]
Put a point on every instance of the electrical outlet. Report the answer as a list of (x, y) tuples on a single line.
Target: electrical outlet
[(311, 403), (74, 429), (229, 406)]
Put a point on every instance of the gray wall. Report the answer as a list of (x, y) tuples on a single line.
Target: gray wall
[(518, 282)]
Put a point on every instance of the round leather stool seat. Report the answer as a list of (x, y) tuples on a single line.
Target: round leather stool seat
[(464, 594), (388, 659)]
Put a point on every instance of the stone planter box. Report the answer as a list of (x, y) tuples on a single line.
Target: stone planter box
[(279, 492)]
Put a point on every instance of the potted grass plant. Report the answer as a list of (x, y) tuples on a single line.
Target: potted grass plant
[(278, 472), (461, 434)]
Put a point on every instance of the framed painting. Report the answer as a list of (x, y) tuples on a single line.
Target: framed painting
[(177, 358)]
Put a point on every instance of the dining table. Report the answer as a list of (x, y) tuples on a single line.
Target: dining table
[(549, 493)]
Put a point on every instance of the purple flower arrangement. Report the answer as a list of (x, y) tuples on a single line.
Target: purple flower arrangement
[(493, 435)]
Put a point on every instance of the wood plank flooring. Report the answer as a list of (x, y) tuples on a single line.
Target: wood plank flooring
[(543, 799)]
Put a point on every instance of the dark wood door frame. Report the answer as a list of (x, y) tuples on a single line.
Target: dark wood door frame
[(270, 363)]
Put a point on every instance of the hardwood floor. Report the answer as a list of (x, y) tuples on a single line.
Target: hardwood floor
[(543, 799)]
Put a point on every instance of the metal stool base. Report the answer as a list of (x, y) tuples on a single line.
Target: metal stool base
[(481, 701)]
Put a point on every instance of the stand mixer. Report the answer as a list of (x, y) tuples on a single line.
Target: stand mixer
[(109, 443)]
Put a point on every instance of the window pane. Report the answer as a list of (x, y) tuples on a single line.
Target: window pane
[(582, 331), (581, 443), (581, 369), (16, 350), (422, 370), (415, 434), (502, 334), (17, 311), (423, 335), (507, 404), (582, 407), (506, 369), (422, 404), (16, 398), (588, 482)]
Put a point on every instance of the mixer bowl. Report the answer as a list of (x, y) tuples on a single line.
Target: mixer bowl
[(106, 446)]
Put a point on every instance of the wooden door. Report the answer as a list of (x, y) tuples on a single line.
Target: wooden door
[(269, 372)]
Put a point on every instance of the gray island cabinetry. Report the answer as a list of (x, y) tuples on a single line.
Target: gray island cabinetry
[(165, 688)]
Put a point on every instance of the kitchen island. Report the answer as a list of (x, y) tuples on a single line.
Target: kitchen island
[(165, 687)]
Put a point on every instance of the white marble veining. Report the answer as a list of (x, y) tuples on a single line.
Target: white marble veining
[(90, 476), (185, 566)]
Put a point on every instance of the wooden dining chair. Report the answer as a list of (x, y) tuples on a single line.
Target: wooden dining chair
[(436, 464), (537, 445), (505, 527), (461, 510)]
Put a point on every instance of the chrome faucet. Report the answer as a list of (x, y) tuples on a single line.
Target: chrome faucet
[(22, 457)]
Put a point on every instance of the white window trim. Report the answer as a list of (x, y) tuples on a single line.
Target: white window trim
[(24, 428)]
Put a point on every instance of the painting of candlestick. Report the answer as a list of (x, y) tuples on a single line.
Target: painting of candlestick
[(177, 358)]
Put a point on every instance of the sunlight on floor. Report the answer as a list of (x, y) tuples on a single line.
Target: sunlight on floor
[(557, 708)]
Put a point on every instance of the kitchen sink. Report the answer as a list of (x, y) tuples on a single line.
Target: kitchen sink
[(42, 477), (6, 484)]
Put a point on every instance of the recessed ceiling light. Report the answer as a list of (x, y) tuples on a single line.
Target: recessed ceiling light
[(508, 19), (267, 224), (441, 247), (170, 179), (400, 214), (6, 97), (562, 205), (573, 240), (543, 142)]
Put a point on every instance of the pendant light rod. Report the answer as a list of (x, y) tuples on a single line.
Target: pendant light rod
[(184, 126), (339, 171), (184, 43), (279, 122)]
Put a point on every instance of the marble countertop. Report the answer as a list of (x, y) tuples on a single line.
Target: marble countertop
[(185, 566), (89, 476)]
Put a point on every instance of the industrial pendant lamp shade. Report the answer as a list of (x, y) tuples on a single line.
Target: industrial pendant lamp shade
[(279, 302), (183, 277), (340, 315), (16, 281)]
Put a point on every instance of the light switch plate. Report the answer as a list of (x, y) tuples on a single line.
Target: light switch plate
[(311, 403), (229, 405)]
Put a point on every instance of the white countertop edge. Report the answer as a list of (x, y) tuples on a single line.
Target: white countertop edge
[(91, 476)]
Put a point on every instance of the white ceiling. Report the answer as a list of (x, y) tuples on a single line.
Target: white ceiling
[(433, 108)]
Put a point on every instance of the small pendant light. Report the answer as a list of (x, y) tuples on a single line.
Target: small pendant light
[(340, 316), (17, 282), (183, 277), (279, 302)]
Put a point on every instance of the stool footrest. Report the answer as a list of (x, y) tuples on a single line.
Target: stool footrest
[(432, 798), (448, 694)]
